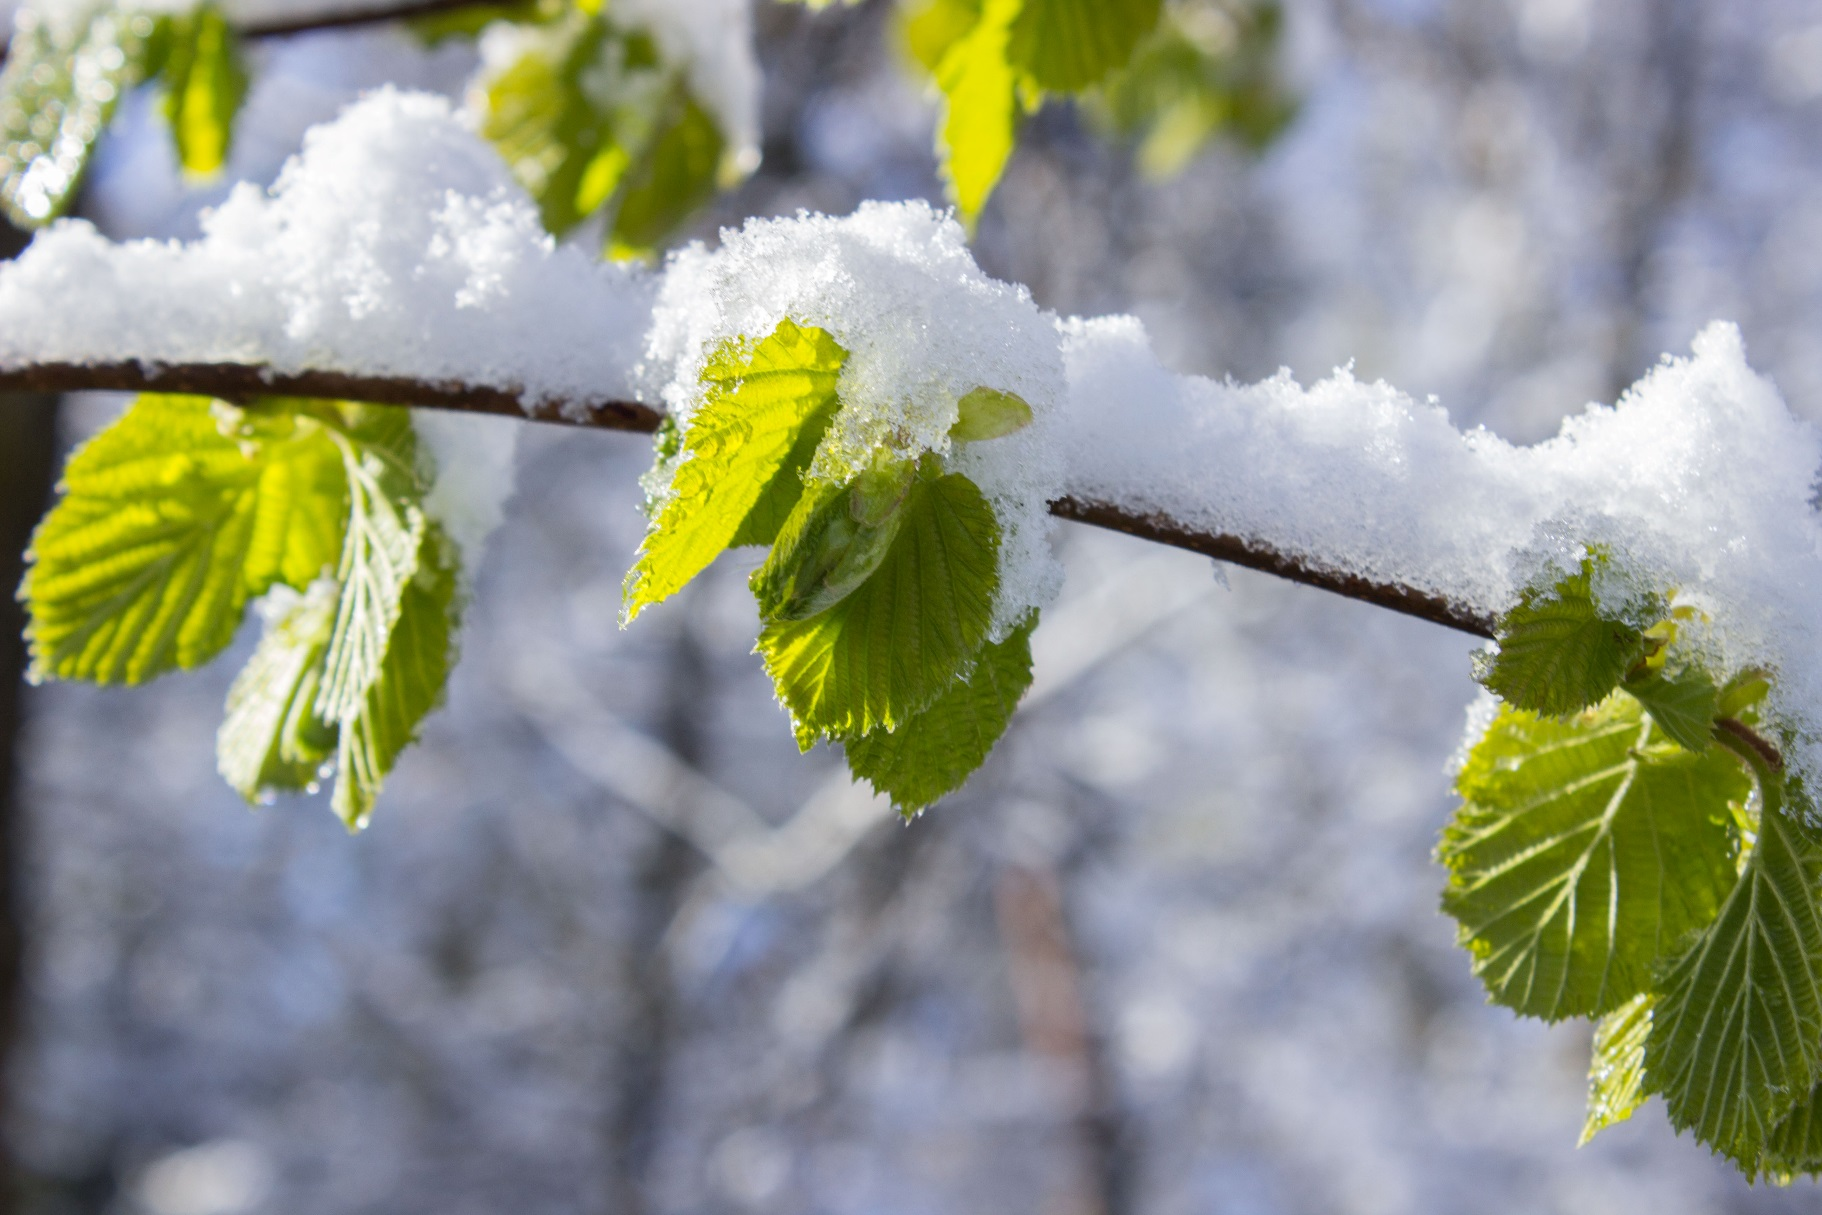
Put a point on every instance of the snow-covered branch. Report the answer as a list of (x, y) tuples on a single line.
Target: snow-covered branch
[(395, 260)]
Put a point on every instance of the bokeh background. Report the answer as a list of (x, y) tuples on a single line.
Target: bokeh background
[(612, 945)]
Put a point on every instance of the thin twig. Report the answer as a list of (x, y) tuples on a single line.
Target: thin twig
[(243, 382), (343, 18)]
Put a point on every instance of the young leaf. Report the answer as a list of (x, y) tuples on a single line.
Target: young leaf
[(385, 534), (988, 413), (930, 27), (677, 175), (271, 738), (980, 109), (205, 83), (887, 651), (1585, 851), (410, 682), (170, 520), (1616, 1073), (933, 753), (1737, 1030), (551, 114), (832, 542), (1067, 45), (1682, 702), (1557, 653), (63, 78), (741, 453)]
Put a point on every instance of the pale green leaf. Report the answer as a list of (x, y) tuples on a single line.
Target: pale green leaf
[(1683, 702), (1616, 1073), (205, 82), (933, 753), (889, 649), (380, 550), (169, 521), (987, 413), (833, 541), (740, 448), (270, 737), (677, 175), (1557, 652), (928, 28), (1737, 1030), (1586, 850), (410, 682), (1067, 45), (980, 109), (65, 73)]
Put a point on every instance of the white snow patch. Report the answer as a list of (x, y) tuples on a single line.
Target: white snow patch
[(394, 242), (1699, 481), (473, 455), (896, 286)]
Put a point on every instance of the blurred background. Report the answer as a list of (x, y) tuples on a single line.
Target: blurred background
[(612, 945)]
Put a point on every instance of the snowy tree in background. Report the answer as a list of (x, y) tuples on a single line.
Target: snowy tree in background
[(891, 430)]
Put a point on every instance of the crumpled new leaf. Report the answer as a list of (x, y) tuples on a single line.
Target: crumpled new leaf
[(1557, 652), (743, 451)]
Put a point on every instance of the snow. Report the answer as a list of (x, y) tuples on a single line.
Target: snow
[(397, 244), (473, 455), (1700, 481), (396, 241)]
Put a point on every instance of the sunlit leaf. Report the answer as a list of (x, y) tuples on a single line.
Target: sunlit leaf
[(1616, 1073), (1586, 850), (205, 82)]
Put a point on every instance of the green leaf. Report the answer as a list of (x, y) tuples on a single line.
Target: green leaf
[(988, 413), (1557, 653), (933, 753), (64, 75), (980, 109), (556, 114), (271, 738), (1067, 45), (1586, 850), (678, 174), (1795, 1144), (205, 83), (1683, 702), (1737, 1030), (887, 651), (410, 681), (930, 27), (740, 453), (833, 541), (383, 540), (169, 521), (1194, 79), (1616, 1074)]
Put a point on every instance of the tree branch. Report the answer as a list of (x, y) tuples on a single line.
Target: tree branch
[(242, 382), (330, 19)]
